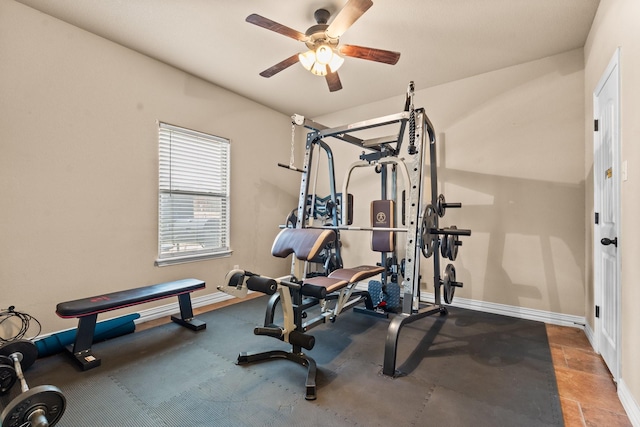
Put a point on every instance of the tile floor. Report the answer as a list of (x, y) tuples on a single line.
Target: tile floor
[(588, 394)]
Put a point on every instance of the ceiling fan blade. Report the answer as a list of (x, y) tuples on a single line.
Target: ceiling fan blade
[(370, 54), (333, 81), (267, 23), (349, 14), (280, 66)]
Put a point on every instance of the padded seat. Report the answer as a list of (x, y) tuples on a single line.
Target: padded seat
[(340, 278), (356, 274), (121, 299), (320, 283)]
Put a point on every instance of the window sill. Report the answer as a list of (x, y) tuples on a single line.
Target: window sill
[(191, 258)]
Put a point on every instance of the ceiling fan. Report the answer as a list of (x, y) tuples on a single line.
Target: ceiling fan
[(324, 55)]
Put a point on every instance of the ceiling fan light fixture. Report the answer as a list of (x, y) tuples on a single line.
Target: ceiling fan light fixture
[(319, 69), (307, 59), (324, 54), (316, 61), (336, 62)]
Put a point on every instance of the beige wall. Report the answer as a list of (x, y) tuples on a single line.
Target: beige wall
[(78, 166), (511, 150), (616, 25)]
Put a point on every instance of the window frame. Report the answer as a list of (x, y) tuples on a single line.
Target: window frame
[(202, 198)]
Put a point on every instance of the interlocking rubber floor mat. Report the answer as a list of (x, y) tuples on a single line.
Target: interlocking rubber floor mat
[(464, 369)]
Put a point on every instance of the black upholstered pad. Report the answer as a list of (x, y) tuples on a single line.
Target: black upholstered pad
[(340, 278), (305, 243), (328, 283), (356, 274), (382, 216), (101, 303)]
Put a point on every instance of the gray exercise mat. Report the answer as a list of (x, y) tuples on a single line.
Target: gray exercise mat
[(464, 369)]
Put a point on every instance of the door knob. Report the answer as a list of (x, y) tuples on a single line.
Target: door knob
[(608, 242)]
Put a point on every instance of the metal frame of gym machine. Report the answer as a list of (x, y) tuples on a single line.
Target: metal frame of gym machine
[(420, 230)]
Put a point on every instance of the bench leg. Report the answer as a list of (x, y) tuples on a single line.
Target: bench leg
[(81, 349), (186, 318)]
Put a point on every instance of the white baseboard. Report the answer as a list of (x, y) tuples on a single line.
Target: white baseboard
[(519, 312), (508, 310), (629, 403), (590, 336), (173, 308), (488, 307)]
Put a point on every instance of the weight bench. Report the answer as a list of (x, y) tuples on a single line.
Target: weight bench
[(296, 296), (87, 310)]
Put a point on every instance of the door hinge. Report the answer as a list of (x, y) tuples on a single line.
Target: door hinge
[(597, 218), (595, 125), (597, 311)]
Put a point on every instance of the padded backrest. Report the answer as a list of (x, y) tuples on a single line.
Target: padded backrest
[(382, 215), (305, 243)]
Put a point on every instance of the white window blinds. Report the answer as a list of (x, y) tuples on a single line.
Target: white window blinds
[(193, 195)]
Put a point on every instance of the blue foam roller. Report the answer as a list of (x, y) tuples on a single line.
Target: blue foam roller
[(104, 330)]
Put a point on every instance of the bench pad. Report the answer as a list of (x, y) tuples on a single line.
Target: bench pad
[(340, 278), (120, 299), (356, 274)]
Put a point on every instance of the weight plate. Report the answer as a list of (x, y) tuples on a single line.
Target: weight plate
[(443, 247), (429, 223), (46, 397), (441, 205), (452, 245), (448, 280), (26, 348), (8, 378), (4, 360)]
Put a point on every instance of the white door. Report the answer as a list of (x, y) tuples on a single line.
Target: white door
[(607, 207)]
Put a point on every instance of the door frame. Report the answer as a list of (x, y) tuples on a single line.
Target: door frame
[(599, 289)]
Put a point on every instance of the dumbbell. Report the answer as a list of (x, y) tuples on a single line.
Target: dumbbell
[(41, 406)]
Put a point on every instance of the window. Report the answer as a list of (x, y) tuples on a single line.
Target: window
[(193, 196)]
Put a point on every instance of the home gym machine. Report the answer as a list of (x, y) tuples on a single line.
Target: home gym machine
[(40, 406), (417, 162), (313, 244)]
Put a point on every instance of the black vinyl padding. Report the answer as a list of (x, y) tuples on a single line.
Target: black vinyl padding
[(120, 299), (266, 285)]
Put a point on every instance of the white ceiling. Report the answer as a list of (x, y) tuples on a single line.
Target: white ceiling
[(440, 41)]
